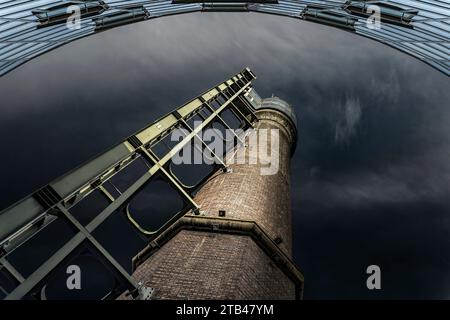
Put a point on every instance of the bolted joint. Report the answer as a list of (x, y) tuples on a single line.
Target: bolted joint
[(144, 292), (227, 169)]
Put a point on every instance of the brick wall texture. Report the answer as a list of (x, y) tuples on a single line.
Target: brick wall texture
[(203, 265)]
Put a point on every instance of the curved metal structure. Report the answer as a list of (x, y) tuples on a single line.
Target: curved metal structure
[(29, 28)]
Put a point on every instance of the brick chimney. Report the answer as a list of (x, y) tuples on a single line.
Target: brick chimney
[(240, 245)]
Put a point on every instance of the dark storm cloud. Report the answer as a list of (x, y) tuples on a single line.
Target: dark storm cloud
[(371, 173), (420, 178)]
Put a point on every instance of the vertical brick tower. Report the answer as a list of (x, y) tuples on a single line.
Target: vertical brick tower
[(240, 245)]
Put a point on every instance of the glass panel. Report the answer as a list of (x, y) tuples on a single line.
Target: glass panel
[(205, 112), (221, 99), (129, 175), (83, 276), (89, 207), (34, 252), (194, 163), (214, 104), (7, 283), (229, 139), (162, 147), (117, 235), (155, 205), (231, 119), (195, 121), (111, 189)]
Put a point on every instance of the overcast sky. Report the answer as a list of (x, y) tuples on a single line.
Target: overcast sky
[(371, 174)]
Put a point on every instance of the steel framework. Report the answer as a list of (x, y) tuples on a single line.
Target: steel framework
[(68, 212), (29, 28)]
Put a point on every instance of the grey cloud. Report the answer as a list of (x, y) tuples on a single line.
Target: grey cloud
[(388, 90), (351, 115), (424, 178)]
